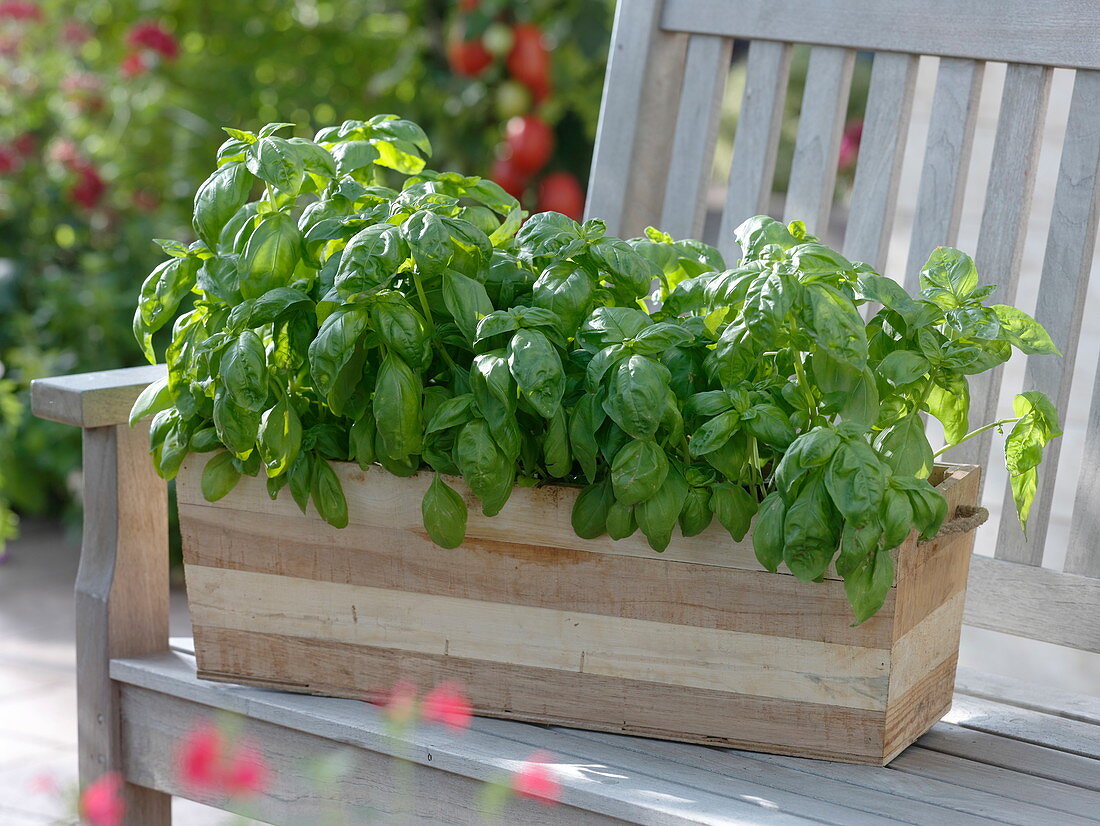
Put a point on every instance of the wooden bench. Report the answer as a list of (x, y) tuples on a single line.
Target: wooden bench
[(1007, 753)]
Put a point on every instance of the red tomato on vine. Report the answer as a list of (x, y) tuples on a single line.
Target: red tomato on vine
[(529, 59), (468, 58), (530, 142), (561, 192), (511, 180)]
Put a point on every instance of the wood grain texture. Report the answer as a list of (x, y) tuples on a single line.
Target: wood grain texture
[(756, 142), (92, 399), (882, 148), (121, 597), (515, 573), (757, 664), (817, 147), (543, 695), (1034, 602), (1049, 32), (946, 162), (641, 87), (1035, 696), (1005, 214), (1060, 308), (706, 68)]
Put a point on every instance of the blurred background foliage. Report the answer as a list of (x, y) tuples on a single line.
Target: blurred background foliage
[(111, 112)]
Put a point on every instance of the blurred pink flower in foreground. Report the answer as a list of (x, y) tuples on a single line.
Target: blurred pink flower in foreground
[(101, 804), (133, 65), (447, 704), (75, 33), (199, 757), (247, 773), (152, 35), (536, 780), (20, 10), (205, 761)]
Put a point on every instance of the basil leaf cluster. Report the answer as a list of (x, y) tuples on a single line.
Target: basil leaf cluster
[(344, 302)]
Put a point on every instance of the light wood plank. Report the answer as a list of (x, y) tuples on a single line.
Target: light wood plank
[(379, 499), (946, 162), (1005, 215), (1060, 306), (1045, 698), (548, 696), (374, 789), (696, 131), (745, 663), (1069, 736), (906, 787), (1015, 755), (631, 159), (708, 596), (1049, 32), (752, 169), (820, 127), (1061, 797), (1083, 554), (929, 643), (92, 399), (878, 169), (1034, 602), (882, 807), (121, 597), (489, 749)]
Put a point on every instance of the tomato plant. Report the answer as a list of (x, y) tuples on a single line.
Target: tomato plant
[(561, 192), (365, 308), (529, 142)]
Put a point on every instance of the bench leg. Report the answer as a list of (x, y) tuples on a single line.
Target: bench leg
[(121, 598)]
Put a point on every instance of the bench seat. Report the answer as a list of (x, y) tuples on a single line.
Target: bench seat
[(1007, 753)]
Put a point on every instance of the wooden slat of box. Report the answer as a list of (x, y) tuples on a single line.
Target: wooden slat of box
[(697, 644)]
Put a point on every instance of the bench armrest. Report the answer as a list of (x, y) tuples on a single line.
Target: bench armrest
[(92, 399)]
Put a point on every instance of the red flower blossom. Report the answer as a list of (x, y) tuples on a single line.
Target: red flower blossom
[(153, 36), (199, 757), (536, 780), (22, 10), (9, 160), (849, 143), (447, 704), (75, 33), (101, 804), (133, 65), (400, 706), (89, 188), (247, 773), (24, 144)]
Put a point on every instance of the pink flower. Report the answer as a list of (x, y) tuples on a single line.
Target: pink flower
[(45, 783), (75, 33), (400, 706), (849, 144), (22, 10), (536, 780), (447, 704), (247, 773), (9, 160), (153, 36), (101, 804), (198, 759), (133, 65), (24, 144), (63, 151), (89, 188)]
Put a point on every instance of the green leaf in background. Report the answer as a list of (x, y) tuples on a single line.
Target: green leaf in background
[(1038, 424)]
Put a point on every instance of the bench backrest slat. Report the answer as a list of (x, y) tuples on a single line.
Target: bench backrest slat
[(655, 154)]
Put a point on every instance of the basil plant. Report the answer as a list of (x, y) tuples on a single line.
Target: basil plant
[(343, 302)]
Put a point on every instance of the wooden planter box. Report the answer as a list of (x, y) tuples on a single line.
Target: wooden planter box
[(697, 644)]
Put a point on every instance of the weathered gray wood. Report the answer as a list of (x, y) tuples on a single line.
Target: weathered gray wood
[(820, 128), (1005, 215), (1028, 725), (121, 596), (641, 87), (752, 169), (1060, 797), (1033, 602), (863, 805), (1045, 698), (882, 147), (1083, 554), (92, 399), (1015, 755), (1060, 307), (946, 162), (706, 68), (1049, 32), (482, 753), (376, 788)]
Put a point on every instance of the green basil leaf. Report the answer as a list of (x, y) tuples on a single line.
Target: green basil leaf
[(696, 514), (948, 277), (466, 301), (767, 536), (555, 447), (657, 515), (153, 399), (444, 513), (279, 437), (398, 412), (638, 471), (537, 369), (770, 425), (636, 396), (328, 495), (902, 367), (567, 291), (735, 507), (361, 438), (237, 426), (868, 585), (855, 479), (243, 371), (949, 401), (270, 255), (904, 447), (1024, 332), (714, 433), (621, 521), (611, 325), (219, 476), (585, 420), (811, 531), (591, 508)]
